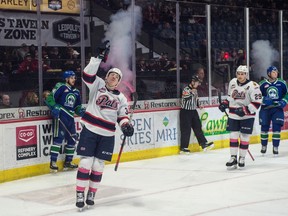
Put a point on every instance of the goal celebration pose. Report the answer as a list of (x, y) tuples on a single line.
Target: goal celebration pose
[(106, 107)]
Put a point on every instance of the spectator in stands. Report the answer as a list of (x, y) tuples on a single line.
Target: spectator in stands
[(55, 57), (203, 88), (71, 60), (32, 50), (240, 58), (21, 52), (141, 65), (30, 99), (45, 95), (5, 101), (167, 32), (28, 65)]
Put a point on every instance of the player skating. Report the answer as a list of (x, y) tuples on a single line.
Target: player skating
[(64, 101), (244, 98), (275, 98), (106, 107), (189, 117)]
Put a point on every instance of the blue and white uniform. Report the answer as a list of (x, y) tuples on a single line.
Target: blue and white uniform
[(275, 92)]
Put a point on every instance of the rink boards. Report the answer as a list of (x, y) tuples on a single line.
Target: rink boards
[(26, 137)]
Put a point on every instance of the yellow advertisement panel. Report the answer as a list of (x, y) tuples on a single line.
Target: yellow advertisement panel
[(53, 6)]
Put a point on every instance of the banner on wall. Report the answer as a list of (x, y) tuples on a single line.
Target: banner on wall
[(52, 6), (26, 142), (56, 30)]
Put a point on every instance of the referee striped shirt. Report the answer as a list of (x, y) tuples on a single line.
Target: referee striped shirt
[(189, 99)]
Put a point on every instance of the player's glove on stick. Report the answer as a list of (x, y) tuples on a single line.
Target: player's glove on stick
[(82, 111), (127, 129), (104, 50), (267, 101), (242, 111), (223, 105), (56, 111), (282, 103)]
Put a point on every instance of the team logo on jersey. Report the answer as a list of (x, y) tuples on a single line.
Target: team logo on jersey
[(70, 100), (105, 103), (238, 95), (272, 92)]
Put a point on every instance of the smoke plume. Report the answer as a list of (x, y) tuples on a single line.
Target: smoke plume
[(263, 55), (119, 33)]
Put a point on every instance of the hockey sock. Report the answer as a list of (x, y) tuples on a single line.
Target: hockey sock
[(96, 174), (276, 138), (264, 135), (69, 152), (234, 143), (244, 144), (54, 151), (83, 173)]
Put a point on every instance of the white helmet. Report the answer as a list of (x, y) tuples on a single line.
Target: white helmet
[(115, 70), (243, 69)]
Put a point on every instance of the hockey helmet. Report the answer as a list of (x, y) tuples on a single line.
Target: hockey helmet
[(195, 78), (68, 74), (243, 69), (270, 69), (115, 70)]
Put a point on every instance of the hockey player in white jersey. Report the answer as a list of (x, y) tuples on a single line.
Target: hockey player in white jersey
[(244, 99), (106, 107)]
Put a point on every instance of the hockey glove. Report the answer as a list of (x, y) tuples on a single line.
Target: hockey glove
[(56, 111), (81, 112), (103, 51), (127, 129), (282, 103), (75, 137), (267, 101), (223, 105), (242, 111)]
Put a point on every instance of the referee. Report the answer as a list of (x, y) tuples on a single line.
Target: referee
[(189, 117)]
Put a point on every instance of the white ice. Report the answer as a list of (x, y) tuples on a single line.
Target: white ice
[(181, 185)]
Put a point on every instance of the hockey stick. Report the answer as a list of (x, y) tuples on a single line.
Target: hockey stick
[(75, 140), (272, 106), (135, 98), (219, 98)]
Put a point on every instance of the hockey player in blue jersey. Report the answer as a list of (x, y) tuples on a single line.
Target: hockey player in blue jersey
[(275, 98), (64, 101)]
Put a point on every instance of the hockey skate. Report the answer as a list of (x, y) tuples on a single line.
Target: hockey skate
[(275, 151), (241, 163), (80, 200), (207, 146), (263, 149), (69, 166), (184, 151), (90, 198), (53, 167), (232, 163)]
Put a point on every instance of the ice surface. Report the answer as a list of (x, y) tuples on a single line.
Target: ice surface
[(180, 185)]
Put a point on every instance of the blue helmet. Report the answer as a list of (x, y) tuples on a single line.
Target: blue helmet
[(68, 74), (270, 69)]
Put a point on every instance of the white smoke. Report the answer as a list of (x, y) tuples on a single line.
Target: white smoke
[(119, 33), (263, 55)]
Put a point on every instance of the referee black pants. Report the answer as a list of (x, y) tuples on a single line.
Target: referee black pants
[(190, 119)]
